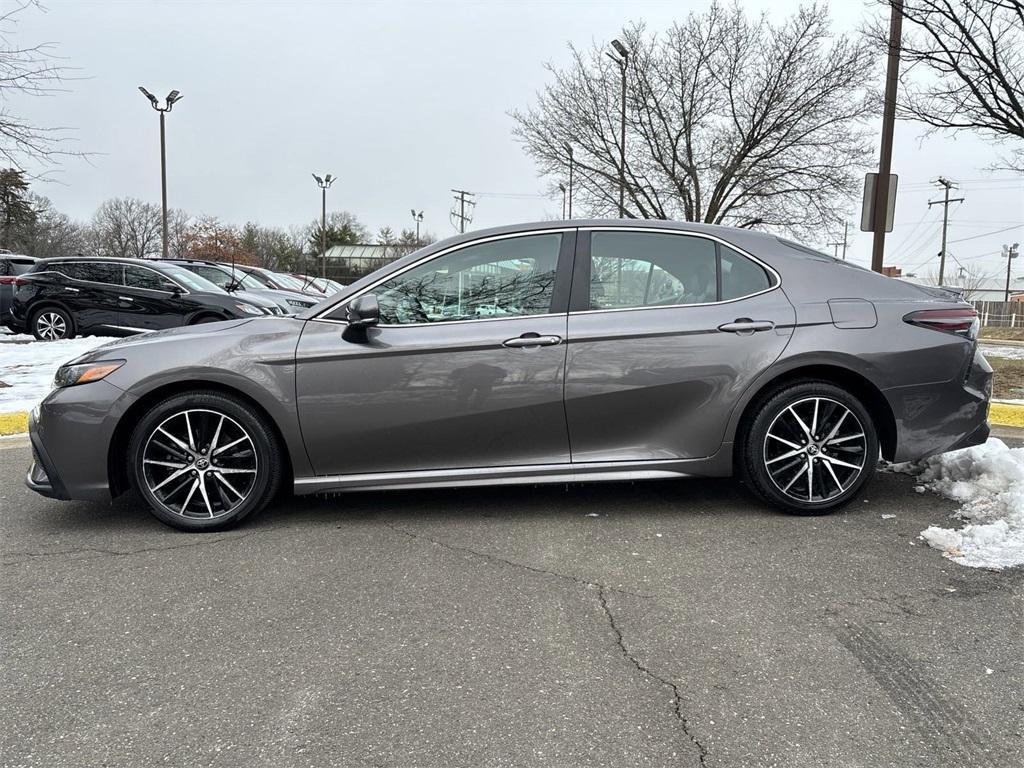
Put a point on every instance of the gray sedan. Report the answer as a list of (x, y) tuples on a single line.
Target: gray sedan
[(543, 353)]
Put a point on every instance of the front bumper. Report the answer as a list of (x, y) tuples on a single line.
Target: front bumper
[(42, 475), (71, 433)]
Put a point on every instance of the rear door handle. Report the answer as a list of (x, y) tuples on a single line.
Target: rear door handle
[(746, 325), (125, 298), (532, 340), (73, 290)]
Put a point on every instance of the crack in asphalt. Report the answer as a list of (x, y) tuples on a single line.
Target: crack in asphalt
[(110, 553), (602, 597)]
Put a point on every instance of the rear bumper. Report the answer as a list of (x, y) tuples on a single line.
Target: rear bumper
[(947, 416)]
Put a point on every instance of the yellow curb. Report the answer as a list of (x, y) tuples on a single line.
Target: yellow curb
[(1006, 414), (13, 423)]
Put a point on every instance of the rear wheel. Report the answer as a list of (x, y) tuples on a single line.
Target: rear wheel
[(204, 461), (810, 448), (52, 324)]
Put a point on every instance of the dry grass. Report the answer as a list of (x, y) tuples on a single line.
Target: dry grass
[(1007, 378), (1014, 334)]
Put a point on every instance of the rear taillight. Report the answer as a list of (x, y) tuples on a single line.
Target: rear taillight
[(8, 281), (962, 322)]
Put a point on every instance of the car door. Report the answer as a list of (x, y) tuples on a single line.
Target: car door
[(89, 291), (666, 330), (464, 370), (147, 300)]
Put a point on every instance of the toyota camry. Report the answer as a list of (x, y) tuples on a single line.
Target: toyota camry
[(543, 353)]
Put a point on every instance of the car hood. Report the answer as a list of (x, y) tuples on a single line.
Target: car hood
[(179, 337)]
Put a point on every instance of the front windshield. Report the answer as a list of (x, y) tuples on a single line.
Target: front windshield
[(191, 280), (225, 276), (290, 282)]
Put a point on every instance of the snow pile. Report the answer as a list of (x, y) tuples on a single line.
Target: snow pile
[(988, 481), (1006, 352), (27, 367)]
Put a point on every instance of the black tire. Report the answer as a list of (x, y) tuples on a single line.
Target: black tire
[(52, 324), (775, 453), (237, 474)]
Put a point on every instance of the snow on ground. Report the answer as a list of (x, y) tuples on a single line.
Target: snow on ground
[(1006, 352), (988, 481), (27, 367)]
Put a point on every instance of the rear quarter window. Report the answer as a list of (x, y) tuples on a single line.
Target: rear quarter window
[(741, 276)]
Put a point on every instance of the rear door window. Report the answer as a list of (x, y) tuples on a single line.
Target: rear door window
[(140, 277)]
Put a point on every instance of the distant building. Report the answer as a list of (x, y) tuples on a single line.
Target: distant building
[(347, 263), (974, 288)]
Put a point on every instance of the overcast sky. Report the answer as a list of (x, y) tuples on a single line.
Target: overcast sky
[(402, 101)]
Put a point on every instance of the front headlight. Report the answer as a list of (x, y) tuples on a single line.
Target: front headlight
[(299, 303), (83, 373), (249, 309)]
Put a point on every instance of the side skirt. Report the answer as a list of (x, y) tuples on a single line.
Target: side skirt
[(719, 465)]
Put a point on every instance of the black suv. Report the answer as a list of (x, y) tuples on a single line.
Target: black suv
[(59, 298)]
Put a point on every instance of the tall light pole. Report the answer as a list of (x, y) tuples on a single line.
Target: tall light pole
[(621, 57), (417, 217), (172, 97), (562, 187), (568, 148), (324, 185)]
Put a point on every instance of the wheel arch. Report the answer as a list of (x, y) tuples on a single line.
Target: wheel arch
[(855, 383), (117, 466), (48, 303)]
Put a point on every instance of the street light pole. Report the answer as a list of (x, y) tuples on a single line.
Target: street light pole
[(417, 217), (622, 59), (172, 97), (324, 185), (568, 148), (562, 187)]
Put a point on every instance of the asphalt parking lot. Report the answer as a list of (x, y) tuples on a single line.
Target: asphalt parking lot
[(683, 625)]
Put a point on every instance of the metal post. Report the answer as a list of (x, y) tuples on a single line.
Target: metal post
[(1010, 252), (323, 232), (568, 148), (948, 185), (622, 146), (888, 121), (163, 181), (846, 230)]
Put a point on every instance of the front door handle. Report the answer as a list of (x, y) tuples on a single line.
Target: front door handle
[(532, 340), (746, 325), (125, 298)]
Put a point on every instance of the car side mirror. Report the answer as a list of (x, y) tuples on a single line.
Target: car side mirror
[(361, 314)]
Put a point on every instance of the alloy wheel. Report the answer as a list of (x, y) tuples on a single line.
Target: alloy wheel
[(51, 326), (815, 449), (199, 463)]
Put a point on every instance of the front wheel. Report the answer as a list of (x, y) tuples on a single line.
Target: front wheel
[(810, 448), (52, 324), (203, 461)]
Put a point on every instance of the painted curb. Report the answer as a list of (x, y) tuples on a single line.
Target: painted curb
[(13, 423)]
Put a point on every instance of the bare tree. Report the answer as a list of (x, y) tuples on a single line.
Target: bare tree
[(963, 67), (729, 120), (126, 227), (33, 70), (49, 233), (970, 281)]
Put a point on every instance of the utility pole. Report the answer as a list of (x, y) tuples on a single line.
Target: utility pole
[(172, 97), (462, 198), (1010, 252), (888, 121), (948, 185), (324, 185), (835, 245), (562, 187)]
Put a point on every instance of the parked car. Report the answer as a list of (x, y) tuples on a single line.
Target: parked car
[(280, 281), (320, 284), (234, 280), (11, 265), (624, 350), (62, 298)]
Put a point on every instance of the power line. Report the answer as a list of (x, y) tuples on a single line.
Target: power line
[(986, 234)]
